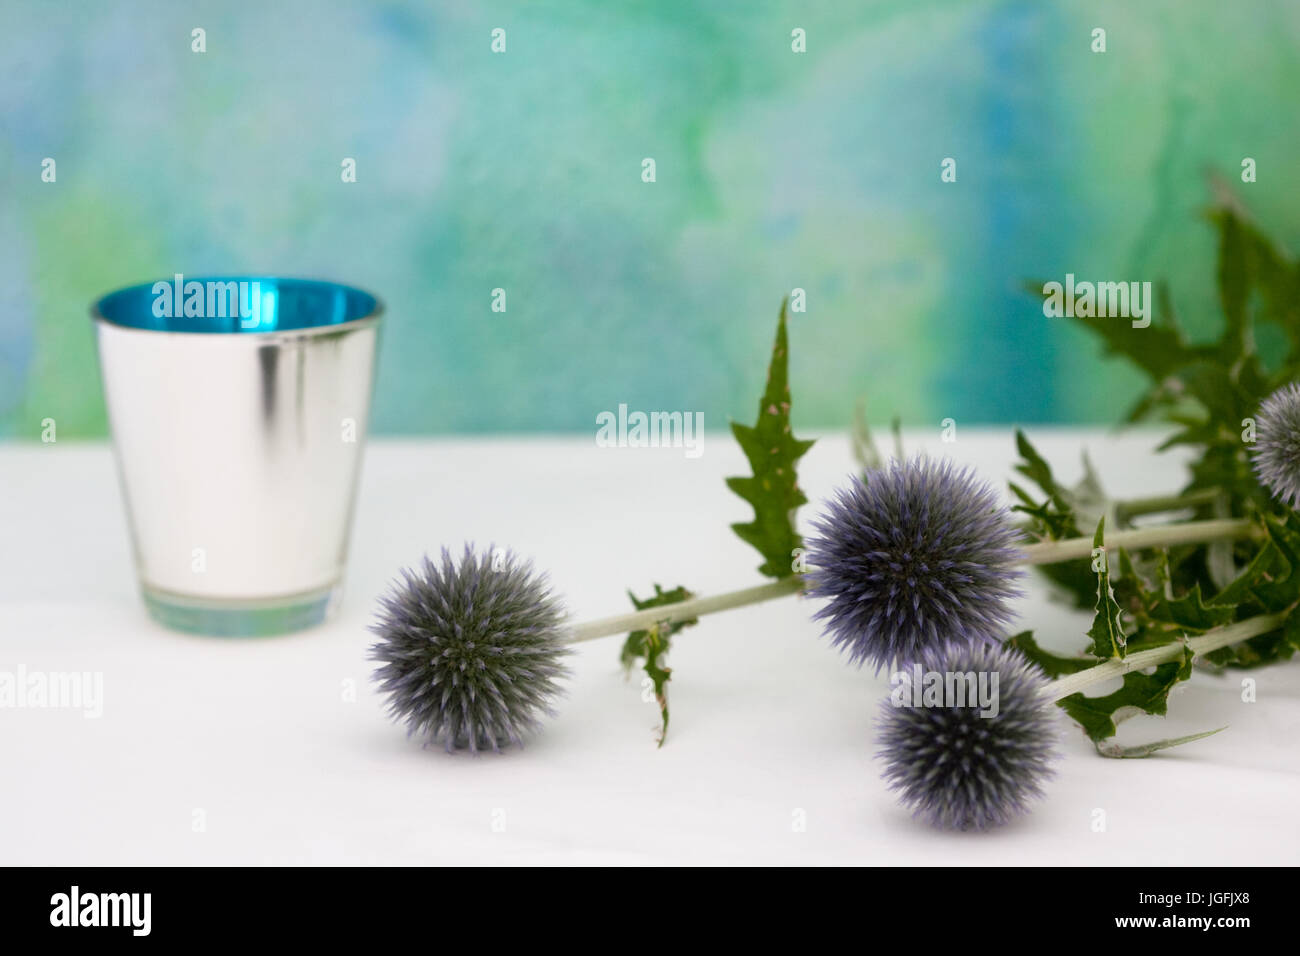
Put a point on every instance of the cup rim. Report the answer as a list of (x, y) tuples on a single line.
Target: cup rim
[(370, 318)]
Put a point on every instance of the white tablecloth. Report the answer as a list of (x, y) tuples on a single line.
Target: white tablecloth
[(213, 751)]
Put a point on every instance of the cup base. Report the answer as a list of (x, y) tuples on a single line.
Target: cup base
[(260, 618)]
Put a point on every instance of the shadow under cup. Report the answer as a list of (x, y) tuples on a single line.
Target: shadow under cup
[(238, 408)]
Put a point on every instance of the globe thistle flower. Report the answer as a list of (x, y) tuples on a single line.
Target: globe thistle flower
[(957, 767), (1277, 444), (912, 555), (470, 651)]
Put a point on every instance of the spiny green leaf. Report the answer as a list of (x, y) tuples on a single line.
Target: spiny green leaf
[(1045, 520), (1255, 573), (656, 645), (1206, 391), (1133, 592), (1191, 613), (1107, 632), (1157, 350), (650, 646), (1271, 580), (773, 453), (1051, 664), (1234, 281), (1278, 282), (1159, 619), (1035, 467), (1054, 518), (1074, 579), (1281, 587), (1147, 692), (1146, 750), (660, 598), (1270, 648)]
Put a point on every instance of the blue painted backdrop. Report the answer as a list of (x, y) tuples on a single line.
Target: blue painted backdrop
[(522, 170)]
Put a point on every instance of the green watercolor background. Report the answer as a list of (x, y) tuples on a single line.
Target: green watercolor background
[(522, 171)]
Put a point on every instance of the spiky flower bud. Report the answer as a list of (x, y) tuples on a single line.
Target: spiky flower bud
[(1277, 444), (957, 759), (471, 652), (911, 556)]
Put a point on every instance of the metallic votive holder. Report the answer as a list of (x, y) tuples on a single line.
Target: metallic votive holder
[(238, 408)]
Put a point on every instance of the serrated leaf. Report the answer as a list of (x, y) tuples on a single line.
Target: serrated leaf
[(773, 452), (1278, 282), (1035, 467), (1146, 750), (652, 644), (1280, 588), (1074, 580), (1107, 631), (1147, 692), (1270, 581), (1206, 391), (1046, 521), (1158, 350), (1234, 281), (1053, 518), (1051, 664), (1132, 591), (1255, 573), (1270, 648), (1146, 603), (1191, 613)]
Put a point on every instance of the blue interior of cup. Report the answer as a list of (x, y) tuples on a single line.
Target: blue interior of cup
[(235, 304)]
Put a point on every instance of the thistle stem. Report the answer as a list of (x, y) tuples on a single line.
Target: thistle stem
[(1211, 640), (1136, 507), (685, 610), (1183, 532), (1046, 552)]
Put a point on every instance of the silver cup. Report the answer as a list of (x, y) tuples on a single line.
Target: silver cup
[(238, 408)]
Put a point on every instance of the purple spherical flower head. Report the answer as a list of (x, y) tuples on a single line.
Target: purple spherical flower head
[(911, 556), (1277, 444), (977, 756), (471, 652)]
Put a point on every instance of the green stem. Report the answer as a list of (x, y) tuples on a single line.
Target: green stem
[(1128, 508), (1046, 552), (1211, 640), (1160, 536), (1136, 507), (685, 610)]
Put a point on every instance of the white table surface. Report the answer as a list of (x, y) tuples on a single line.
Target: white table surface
[(258, 739)]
